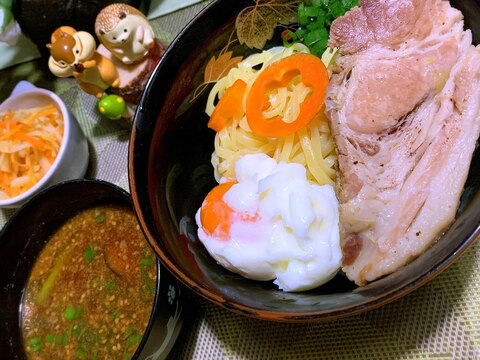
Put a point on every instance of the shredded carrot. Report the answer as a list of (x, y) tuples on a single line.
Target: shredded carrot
[(47, 111), (29, 143), (8, 123)]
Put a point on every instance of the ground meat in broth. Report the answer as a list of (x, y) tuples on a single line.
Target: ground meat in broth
[(91, 290)]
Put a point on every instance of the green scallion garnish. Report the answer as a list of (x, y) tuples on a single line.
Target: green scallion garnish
[(147, 261), (100, 218), (35, 344), (73, 312), (314, 20), (89, 254)]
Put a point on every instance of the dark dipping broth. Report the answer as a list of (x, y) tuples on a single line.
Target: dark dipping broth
[(91, 290)]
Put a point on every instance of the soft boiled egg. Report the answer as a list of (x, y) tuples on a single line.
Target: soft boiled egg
[(271, 223)]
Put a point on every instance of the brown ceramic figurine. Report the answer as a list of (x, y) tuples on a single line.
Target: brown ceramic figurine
[(125, 32), (128, 40), (73, 53)]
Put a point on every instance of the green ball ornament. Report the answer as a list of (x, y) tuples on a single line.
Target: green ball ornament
[(112, 106)]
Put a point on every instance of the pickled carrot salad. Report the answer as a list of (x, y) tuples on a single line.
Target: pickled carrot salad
[(30, 140)]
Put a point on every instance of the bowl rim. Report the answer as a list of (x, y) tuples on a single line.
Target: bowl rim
[(276, 316), (54, 99), (71, 182)]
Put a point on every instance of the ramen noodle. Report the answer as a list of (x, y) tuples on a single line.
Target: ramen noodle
[(311, 146)]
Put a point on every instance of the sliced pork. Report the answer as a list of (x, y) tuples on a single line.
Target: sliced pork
[(403, 105)]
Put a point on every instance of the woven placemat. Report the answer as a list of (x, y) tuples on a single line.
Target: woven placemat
[(441, 320)]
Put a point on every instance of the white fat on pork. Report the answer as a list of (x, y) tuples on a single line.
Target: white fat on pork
[(403, 104)]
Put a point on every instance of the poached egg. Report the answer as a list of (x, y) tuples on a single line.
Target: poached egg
[(272, 223)]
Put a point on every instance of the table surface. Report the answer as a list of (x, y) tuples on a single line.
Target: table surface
[(441, 320)]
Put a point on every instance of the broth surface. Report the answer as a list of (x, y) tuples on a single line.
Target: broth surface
[(91, 290)]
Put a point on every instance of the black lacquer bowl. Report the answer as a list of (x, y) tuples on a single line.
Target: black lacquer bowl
[(25, 235), (170, 174)]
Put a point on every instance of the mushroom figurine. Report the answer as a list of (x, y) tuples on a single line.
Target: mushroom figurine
[(128, 40), (112, 107), (73, 53)]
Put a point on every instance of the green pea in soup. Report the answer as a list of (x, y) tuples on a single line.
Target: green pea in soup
[(91, 290)]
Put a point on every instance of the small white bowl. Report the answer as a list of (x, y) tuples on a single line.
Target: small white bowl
[(72, 159)]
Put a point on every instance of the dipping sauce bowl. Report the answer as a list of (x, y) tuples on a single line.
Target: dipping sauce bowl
[(28, 233)]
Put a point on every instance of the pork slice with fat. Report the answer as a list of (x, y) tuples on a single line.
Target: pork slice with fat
[(404, 112)]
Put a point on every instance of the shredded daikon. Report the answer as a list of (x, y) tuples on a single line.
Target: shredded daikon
[(30, 140)]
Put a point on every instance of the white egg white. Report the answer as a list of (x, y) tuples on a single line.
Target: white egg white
[(294, 239)]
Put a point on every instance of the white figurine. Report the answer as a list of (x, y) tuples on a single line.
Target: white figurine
[(125, 32)]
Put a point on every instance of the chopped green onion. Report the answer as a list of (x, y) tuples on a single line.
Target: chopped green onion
[(73, 312), (289, 38), (336, 9), (348, 4), (312, 11), (49, 338), (35, 344), (319, 35), (89, 254), (134, 339), (110, 285), (147, 261), (128, 333), (302, 15), (100, 218), (319, 48), (300, 32), (314, 19), (47, 286), (80, 354), (147, 282)]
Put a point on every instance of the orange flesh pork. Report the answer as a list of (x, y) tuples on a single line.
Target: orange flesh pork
[(403, 104)]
